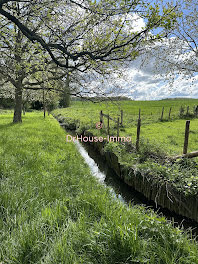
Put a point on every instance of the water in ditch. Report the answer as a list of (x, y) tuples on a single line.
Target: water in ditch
[(107, 176), (125, 193)]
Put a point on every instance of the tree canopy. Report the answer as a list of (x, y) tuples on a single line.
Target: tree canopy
[(78, 36), (86, 31), (177, 53)]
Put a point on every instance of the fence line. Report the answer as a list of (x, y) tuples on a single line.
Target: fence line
[(138, 132), (119, 123), (181, 112)]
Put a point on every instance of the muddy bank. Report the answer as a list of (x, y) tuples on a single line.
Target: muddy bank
[(163, 194)]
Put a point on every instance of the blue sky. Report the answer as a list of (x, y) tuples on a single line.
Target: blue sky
[(143, 83)]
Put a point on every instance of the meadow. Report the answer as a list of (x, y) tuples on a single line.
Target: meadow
[(168, 134), (54, 211), (159, 140)]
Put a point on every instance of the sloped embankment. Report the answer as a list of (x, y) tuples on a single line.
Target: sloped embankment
[(162, 191)]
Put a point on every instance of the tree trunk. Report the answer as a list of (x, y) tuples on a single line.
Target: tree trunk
[(66, 93), (44, 106), (18, 105), (24, 108), (19, 79)]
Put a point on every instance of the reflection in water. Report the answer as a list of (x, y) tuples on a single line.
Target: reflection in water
[(91, 163), (106, 175), (101, 175)]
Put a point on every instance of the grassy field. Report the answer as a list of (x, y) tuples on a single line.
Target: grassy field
[(5, 111), (158, 139), (168, 134), (54, 211)]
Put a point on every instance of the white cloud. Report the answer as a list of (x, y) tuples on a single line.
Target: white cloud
[(146, 79), (135, 23)]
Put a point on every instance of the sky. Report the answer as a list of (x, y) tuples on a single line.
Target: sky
[(143, 84), (142, 81)]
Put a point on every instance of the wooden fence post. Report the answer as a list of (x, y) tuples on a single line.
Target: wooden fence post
[(185, 150), (181, 111), (101, 117), (138, 132), (108, 126), (162, 113), (118, 127), (196, 110), (169, 112), (121, 122)]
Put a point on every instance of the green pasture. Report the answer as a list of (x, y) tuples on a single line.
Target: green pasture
[(5, 111), (54, 211), (158, 139), (169, 133), (88, 111)]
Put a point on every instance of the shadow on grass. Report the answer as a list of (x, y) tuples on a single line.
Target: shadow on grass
[(7, 125)]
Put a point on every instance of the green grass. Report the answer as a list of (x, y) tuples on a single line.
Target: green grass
[(150, 110), (54, 211), (169, 134), (6, 111), (158, 139)]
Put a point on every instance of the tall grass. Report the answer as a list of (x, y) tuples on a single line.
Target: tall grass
[(54, 211)]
